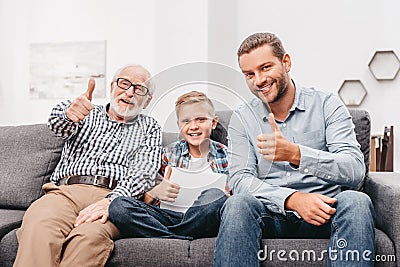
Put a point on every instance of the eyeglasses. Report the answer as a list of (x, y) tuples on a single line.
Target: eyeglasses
[(137, 88)]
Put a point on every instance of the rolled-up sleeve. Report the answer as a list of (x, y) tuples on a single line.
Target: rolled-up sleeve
[(343, 163), (59, 123)]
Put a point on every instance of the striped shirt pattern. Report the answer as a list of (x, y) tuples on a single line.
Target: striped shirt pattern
[(177, 155), (128, 152)]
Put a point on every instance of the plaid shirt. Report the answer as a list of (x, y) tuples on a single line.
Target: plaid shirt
[(128, 152), (177, 155)]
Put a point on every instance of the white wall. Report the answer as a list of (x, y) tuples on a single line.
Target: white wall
[(25, 22), (328, 42), (331, 42), (181, 38), (181, 33)]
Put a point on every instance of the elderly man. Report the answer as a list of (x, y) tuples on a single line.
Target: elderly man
[(109, 151)]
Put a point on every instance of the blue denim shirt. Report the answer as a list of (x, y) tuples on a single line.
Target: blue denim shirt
[(330, 154)]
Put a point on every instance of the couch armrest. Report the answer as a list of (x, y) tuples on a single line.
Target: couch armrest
[(384, 190)]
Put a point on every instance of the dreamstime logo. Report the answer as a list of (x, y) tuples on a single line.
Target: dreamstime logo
[(339, 254), (341, 243)]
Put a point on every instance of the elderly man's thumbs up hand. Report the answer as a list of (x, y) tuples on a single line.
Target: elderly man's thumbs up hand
[(82, 105)]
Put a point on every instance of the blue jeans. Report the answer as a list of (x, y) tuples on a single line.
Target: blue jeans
[(135, 218), (245, 220)]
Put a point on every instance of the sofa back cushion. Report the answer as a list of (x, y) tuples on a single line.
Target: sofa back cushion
[(28, 156), (362, 123), (220, 133)]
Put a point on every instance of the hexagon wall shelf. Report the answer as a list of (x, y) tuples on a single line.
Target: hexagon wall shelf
[(352, 92), (384, 65)]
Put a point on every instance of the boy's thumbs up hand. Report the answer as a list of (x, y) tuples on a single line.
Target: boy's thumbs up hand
[(168, 173), (82, 105), (166, 190)]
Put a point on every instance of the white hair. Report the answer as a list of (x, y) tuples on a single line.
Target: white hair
[(148, 82)]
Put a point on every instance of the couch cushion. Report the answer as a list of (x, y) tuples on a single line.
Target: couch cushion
[(150, 252), (201, 251), (28, 156), (169, 138), (172, 252), (362, 123), (220, 133), (8, 249), (9, 220)]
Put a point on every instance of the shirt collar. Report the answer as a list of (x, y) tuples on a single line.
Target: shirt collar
[(299, 98), (213, 149), (106, 107), (257, 108), (298, 103), (185, 148)]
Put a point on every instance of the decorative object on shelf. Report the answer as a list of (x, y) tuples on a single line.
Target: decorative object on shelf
[(382, 147), (384, 65), (352, 92), (62, 70)]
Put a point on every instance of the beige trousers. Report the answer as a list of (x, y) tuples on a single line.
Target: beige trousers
[(48, 237)]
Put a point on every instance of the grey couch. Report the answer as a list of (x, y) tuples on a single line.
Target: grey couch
[(29, 153)]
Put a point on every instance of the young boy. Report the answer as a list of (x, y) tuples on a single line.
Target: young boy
[(134, 218)]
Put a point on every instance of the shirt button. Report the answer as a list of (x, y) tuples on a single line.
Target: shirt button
[(288, 174), (284, 125), (306, 170)]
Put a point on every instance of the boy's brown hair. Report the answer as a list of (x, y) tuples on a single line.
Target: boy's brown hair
[(194, 97)]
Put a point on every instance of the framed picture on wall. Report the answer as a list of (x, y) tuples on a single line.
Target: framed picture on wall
[(62, 70)]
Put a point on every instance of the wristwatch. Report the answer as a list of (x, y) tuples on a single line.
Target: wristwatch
[(156, 202)]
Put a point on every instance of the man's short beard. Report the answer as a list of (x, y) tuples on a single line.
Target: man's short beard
[(281, 85), (128, 113)]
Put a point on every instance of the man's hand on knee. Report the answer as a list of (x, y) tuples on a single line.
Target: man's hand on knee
[(313, 208), (91, 213)]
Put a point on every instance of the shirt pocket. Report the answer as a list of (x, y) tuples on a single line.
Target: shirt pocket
[(314, 139)]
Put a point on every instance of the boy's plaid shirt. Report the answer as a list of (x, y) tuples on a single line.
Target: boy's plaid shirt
[(177, 155)]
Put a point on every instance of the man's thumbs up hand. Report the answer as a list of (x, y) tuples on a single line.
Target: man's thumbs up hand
[(275, 147), (82, 105), (89, 91), (272, 123)]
